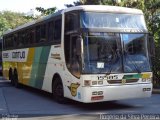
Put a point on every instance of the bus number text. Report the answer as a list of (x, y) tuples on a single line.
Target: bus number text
[(114, 77)]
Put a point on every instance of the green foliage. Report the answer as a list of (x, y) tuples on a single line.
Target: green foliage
[(10, 20), (14, 19), (45, 12), (3, 25), (93, 2), (156, 67)]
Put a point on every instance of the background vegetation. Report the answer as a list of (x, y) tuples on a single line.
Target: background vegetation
[(151, 9)]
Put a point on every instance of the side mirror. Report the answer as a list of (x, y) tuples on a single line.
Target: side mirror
[(78, 45), (151, 46)]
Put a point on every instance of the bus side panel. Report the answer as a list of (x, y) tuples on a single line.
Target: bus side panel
[(39, 66), (27, 67), (22, 65), (6, 66), (5, 69), (54, 65), (19, 67)]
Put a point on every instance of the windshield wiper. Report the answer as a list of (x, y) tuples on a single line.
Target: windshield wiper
[(117, 55), (132, 61), (126, 53)]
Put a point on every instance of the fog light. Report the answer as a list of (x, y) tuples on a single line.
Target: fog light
[(146, 89), (100, 82), (100, 92), (143, 80), (94, 82), (146, 79), (94, 93)]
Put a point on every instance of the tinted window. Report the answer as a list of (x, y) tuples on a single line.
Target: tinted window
[(71, 22), (57, 30), (38, 32), (43, 33), (50, 30)]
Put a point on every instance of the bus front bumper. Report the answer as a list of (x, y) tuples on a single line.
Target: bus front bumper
[(117, 92)]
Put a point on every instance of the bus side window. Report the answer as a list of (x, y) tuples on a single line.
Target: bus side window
[(43, 33), (9, 42), (20, 39), (50, 30), (25, 38), (57, 30), (15, 40), (38, 33), (3, 42), (72, 50), (71, 22), (31, 36), (6, 42)]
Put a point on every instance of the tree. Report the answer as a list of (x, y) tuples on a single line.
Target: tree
[(10, 20), (152, 14), (94, 2), (45, 12), (3, 25)]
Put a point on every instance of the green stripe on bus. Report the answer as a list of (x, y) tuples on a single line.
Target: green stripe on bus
[(39, 66), (133, 76)]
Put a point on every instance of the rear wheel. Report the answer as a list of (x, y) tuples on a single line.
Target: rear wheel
[(16, 83), (10, 74), (58, 92)]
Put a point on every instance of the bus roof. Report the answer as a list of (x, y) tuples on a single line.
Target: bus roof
[(96, 8), (105, 8), (33, 22)]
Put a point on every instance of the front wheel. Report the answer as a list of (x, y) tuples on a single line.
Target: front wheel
[(58, 92)]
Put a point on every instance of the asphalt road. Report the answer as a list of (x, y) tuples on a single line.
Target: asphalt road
[(27, 103)]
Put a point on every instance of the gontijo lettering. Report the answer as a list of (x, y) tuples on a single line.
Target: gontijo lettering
[(19, 54)]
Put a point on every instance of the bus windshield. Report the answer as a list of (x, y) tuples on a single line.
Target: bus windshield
[(135, 51), (115, 53), (100, 53), (112, 20)]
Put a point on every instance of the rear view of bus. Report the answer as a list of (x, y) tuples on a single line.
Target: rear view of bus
[(106, 52)]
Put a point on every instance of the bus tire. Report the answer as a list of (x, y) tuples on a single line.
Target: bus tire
[(16, 83), (10, 74), (58, 91)]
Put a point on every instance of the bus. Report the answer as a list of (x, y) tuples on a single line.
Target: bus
[(0, 56), (89, 53)]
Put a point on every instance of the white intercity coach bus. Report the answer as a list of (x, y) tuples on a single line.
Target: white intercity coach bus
[(88, 53)]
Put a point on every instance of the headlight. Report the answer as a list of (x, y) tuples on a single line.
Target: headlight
[(94, 82), (146, 80), (100, 82)]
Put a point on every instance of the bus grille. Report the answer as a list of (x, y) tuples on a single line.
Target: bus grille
[(122, 81)]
